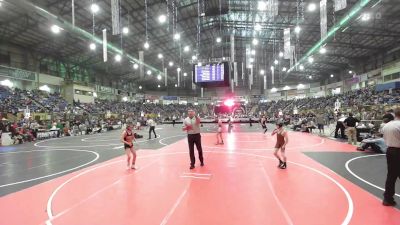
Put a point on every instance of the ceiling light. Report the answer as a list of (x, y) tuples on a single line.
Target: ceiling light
[(250, 66), (276, 62), (301, 67), (297, 29), (92, 46), (312, 7), (55, 29), (135, 66), (350, 72), (171, 63), (310, 59), (257, 27), (178, 69), (177, 36), (284, 69), (322, 50), (146, 45), (118, 58), (280, 54), (310, 77), (125, 30), (365, 16), (148, 72), (262, 5), (158, 86), (272, 67), (218, 39), (176, 85), (159, 77), (199, 64), (251, 60), (255, 41), (162, 19), (274, 90), (332, 75), (184, 74), (253, 52), (286, 88), (194, 57), (186, 48), (262, 72), (160, 56), (94, 8)]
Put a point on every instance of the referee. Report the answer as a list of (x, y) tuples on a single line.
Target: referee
[(191, 125), (391, 134)]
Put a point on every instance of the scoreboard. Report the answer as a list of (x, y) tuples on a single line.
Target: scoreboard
[(209, 73)]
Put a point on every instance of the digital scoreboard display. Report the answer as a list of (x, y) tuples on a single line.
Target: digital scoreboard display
[(209, 73)]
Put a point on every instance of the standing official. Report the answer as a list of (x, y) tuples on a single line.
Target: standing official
[(391, 135), (191, 125), (152, 125)]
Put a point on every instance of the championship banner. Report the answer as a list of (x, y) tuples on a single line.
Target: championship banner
[(265, 82), (233, 48), (251, 77), (292, 51), (166, 76), (235, 73), (73, 12), (179, 78), (141, 60), (104, 45), (248, 55), (115, 17), (242, 71), (286, 43), (324, 20), (272, 76), (193, 84), (340, 4)]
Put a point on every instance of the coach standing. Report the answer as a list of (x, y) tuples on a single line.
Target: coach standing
[(391, 134), (191, 125)]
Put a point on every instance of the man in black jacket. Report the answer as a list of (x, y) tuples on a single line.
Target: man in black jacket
[(351, 130)]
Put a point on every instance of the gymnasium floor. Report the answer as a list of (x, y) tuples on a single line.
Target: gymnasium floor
[(84, 180)]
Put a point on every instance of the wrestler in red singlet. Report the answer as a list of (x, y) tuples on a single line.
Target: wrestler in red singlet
[(128, 137), (281, 142)]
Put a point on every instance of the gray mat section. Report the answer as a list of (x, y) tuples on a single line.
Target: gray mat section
[(16, 167), (372, 169), (24, 162)]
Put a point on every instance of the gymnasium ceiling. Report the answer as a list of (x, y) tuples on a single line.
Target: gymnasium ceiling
[(199, 25)]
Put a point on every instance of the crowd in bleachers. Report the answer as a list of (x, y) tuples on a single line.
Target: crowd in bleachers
[(366, 104), (357, 100), (51, 102), (104, 106), (16, 100), (13, 101)]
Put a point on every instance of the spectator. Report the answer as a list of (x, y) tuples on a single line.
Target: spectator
[(351, 131)]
